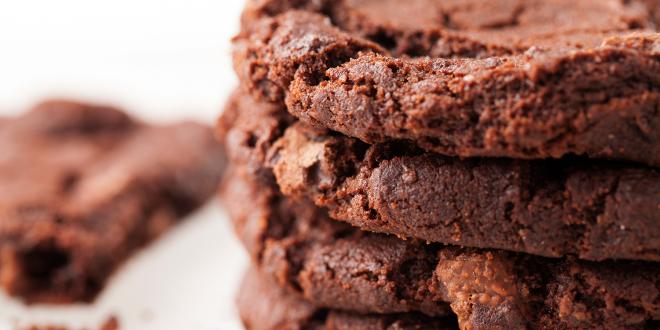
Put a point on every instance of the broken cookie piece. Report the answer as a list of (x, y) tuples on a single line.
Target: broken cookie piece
[(82, 187)]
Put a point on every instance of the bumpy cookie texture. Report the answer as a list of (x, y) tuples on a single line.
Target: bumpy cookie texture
[(590, 209), (268, 69), (83, 186), (593, 91), (336, 266), (292, 250), (473, 28), (248, 136), (265, 306)]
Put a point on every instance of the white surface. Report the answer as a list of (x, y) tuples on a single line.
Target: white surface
[(161, 60)]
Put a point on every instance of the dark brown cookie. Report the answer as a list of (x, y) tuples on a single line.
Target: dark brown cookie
[(82, 187), (336, 266), (265, 306), (590, 90), (590, 209)]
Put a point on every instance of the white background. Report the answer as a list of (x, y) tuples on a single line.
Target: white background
[(161, 60)]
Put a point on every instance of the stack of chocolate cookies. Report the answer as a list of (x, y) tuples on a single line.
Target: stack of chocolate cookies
[(432, 164)]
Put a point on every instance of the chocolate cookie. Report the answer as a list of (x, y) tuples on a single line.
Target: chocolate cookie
[(589, 89), (265, 306), (336, 266), (470, 28), (590, 209), (82, 187)]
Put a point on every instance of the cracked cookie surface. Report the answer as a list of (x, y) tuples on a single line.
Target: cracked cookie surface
[(574, 78), (472, 28), (263, 305), (590, 209), (336, 266)]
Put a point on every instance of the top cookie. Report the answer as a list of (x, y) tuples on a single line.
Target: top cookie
[(523, 79), (470, 28)]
